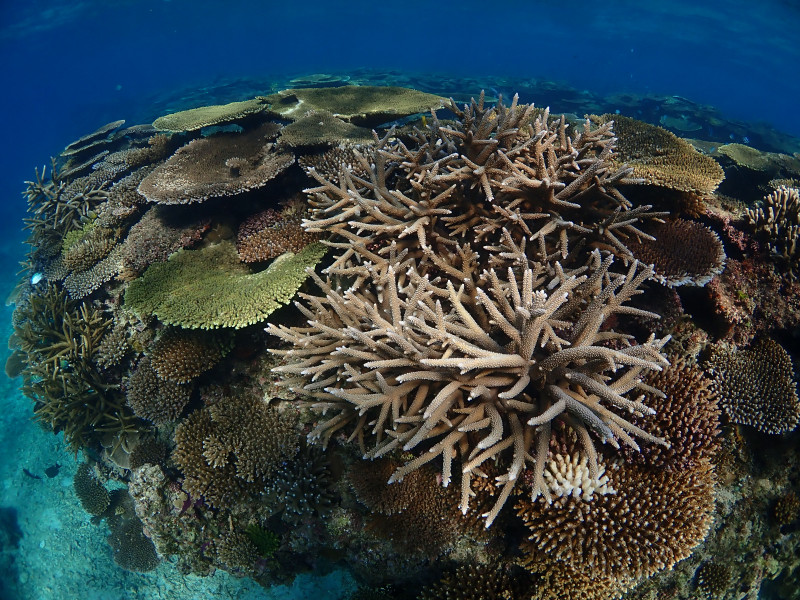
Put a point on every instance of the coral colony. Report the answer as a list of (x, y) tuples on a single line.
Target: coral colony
[(487, 352)]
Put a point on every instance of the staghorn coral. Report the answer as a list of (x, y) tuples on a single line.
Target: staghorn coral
[(479, 582), (234, 445), (210, 288), (501, 177), (778, 220), (59, 338), (205, 116), (270, 233), (366, 106), (661, 158), (320, 128), (180, 355), (204, 169), (93, 495), (418, 363), (755, 385), (153, 398), (683, 252), (654, 519)]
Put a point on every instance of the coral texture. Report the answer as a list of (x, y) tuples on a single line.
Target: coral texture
[(210, 287), (755, 385), (204, 169)]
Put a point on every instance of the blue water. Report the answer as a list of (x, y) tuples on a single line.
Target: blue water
[(68, 67)]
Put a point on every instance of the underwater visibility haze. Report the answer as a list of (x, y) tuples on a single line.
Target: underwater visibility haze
[(371, 301)]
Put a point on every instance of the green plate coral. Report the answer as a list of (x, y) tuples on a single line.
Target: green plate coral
[(210, 287)]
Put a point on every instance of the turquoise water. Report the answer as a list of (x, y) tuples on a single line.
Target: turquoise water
[(70, 67)]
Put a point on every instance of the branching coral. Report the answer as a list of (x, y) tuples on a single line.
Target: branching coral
[(234, 445), (60, 338), (270, 233), (778, 220), (475, 377), (654, 519)]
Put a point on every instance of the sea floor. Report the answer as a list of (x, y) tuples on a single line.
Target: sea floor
[(59, 553)]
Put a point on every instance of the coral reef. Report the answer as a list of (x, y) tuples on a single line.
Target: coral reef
[(478, 352)]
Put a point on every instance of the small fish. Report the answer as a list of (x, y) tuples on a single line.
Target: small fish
[(29, 474), (36, 278)]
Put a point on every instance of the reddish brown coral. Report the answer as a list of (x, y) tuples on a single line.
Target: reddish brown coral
[(653, 520), (686, 415), (684, 252), (270, 233)]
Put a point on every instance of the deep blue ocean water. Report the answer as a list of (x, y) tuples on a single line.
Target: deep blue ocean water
[(67, 67)]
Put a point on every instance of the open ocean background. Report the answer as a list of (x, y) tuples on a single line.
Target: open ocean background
[(67, 68)]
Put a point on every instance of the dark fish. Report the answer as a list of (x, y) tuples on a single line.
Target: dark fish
[(29, 474), (52, 470)]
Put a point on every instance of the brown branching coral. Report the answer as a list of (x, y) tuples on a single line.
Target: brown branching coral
[(652, 520), (682, 253), (479, 582), (475, 377), (686, 416), (180, 355), (232, 446), (60, 338), (415, 514), (204, 169), (778, 220), (755, 385), (154, 399)]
